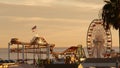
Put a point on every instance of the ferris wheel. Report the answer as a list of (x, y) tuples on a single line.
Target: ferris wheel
[(99, 40)]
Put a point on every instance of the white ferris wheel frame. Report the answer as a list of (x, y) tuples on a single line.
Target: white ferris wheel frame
[(108, 45)]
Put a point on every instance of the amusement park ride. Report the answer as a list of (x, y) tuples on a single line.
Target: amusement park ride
[(99, 45), (39, 46), (99, 40), (35, 47)]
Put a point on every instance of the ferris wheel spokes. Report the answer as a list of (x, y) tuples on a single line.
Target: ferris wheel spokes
[(99, 40)]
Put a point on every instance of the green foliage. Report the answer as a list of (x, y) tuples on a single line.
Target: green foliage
[(110, 14)]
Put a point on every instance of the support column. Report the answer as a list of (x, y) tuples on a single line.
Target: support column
[(33, 54), (9, 51), (40, 53), (117, 63), (23, 53), (18, 52), (48, 52)]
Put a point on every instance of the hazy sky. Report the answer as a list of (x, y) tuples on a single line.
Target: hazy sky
[(62, 22)]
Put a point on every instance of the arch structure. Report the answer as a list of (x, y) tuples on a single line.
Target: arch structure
[(99, 40)]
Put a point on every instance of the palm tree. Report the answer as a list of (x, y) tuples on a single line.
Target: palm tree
[(111, 15)]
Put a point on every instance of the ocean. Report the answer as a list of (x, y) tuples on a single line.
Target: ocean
[(4, 52)]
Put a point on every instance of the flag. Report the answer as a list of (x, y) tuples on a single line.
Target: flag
[(34, 28)]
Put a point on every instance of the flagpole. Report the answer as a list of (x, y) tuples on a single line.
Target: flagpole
[(34, 30)]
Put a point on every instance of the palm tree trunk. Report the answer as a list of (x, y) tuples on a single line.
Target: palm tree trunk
[(119, 39), (119, 22)]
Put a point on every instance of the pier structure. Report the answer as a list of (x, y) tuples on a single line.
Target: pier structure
[(37, 46), (101, 63), (78, 51), (72, 55)]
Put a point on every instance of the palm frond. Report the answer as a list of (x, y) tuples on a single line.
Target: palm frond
[(110, 15)]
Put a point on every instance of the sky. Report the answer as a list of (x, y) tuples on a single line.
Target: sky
[(61, 22)]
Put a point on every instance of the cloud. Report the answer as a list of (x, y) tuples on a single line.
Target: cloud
[(57, 23), (39, 2), (53, 29), (15, 19), (77, 3), (67, 12), (62, 22)]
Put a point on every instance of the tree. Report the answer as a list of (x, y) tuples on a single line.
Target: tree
[(111, 15)]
